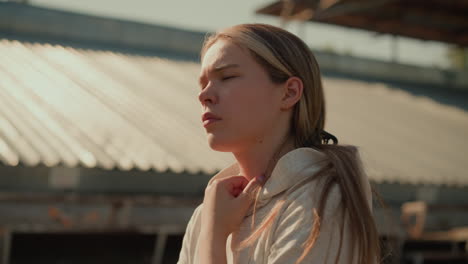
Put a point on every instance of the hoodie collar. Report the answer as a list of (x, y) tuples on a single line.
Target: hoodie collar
[(289, 170)]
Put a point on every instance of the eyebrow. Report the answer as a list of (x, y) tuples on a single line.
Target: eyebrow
[(218, 69), (222, 67)]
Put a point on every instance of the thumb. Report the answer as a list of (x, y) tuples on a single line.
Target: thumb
[(250, 188)]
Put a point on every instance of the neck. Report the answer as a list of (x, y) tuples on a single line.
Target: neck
[(261, 158)]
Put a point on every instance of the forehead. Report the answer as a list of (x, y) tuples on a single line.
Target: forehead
[(224, 52)]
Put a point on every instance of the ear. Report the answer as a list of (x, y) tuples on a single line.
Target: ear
[(292, 92)]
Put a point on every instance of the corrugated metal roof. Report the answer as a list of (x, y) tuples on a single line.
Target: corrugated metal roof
[(403, 137), (100, 108)]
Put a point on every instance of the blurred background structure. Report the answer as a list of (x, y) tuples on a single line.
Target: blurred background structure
[(103, 156)]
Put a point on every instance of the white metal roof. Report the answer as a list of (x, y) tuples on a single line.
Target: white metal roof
[(82, 107)]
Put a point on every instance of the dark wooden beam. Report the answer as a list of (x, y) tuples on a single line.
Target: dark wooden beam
[(439, 20), (395, 27), (349, 7)]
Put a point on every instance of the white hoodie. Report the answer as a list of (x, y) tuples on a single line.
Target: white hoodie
[(291, 228)]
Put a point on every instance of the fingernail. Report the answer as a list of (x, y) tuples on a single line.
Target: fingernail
[(261, 177)]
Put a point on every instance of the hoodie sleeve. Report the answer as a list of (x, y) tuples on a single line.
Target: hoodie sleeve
[(295, 224), (189, 242)]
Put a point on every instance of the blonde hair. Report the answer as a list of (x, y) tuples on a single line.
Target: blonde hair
[(283, 55)]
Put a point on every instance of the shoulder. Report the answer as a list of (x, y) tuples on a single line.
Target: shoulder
[(296, 220), (193, 225), (302, 206), (311, 194), (195, 219), (189, 242)]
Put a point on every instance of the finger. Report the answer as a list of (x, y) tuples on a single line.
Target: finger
[(236, 192), (244, 184), (235, 179), (250, 188), (235, 182)]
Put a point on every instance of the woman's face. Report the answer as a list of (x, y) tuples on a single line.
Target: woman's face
[(235, 88)]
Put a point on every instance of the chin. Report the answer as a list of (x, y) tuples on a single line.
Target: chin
[(219, 144)]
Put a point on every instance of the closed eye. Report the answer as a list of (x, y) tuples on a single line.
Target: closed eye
[(227, 78)]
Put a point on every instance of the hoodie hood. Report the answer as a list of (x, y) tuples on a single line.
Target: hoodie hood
[(292, 168)]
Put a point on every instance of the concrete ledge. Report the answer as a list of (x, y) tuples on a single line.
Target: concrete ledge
[(390, 71), (26, 20)]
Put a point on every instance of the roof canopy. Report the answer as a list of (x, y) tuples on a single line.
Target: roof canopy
[(61, 105), (439, 20)]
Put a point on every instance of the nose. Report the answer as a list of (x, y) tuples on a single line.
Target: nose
[(207, 96)]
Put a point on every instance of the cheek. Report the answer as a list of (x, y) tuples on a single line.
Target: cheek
[(248, 117), (252, 108)]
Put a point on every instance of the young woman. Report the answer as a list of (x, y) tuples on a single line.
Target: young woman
[(291, 197)]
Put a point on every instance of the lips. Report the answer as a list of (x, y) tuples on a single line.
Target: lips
[(209, 118), (208, 115)]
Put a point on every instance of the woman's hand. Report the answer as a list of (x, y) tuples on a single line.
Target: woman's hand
[(226, 203), (224, 207)]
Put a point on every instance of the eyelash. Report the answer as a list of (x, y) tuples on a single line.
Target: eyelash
[(227, 78), (222, 79)]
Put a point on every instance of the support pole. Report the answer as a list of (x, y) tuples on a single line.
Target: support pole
[(6, 247), (159, 248)]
